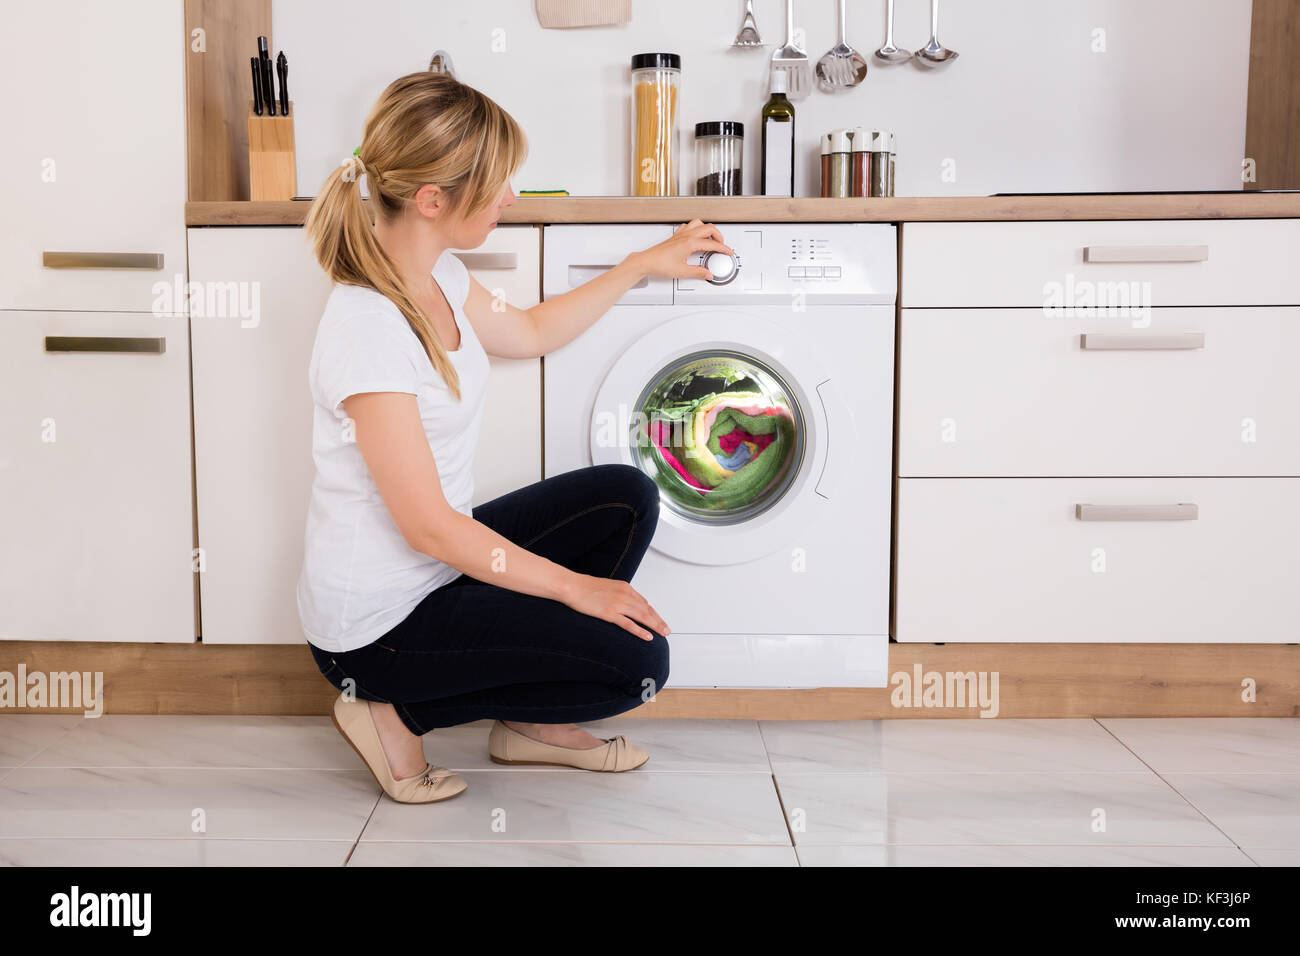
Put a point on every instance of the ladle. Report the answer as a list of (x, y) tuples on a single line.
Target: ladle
[(934, 52)]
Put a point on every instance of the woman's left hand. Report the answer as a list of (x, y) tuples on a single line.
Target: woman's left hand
[(668, 258)]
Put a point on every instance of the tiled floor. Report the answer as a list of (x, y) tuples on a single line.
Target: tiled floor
[(215, 791)]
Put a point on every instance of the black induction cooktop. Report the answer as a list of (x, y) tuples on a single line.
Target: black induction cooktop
[(1156, 192)]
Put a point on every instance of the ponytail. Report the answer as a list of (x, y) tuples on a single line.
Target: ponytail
[(344, 242), (426, 129)]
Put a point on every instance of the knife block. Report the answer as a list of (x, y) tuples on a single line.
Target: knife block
[(272, 168)]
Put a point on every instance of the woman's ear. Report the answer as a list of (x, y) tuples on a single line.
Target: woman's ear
[(430, 200)]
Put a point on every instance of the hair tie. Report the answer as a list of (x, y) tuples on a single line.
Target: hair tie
[(358, 168)]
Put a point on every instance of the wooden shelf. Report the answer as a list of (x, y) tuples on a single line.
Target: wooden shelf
[(571, 209)]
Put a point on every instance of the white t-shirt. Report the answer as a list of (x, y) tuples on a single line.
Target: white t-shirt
[(359, 577)]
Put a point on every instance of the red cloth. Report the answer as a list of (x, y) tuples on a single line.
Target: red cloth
[(731, 441), (728, 443)]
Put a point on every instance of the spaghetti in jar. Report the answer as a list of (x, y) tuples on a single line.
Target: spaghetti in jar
[(655, 142)]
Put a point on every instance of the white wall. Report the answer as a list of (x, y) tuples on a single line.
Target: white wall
[(1028, 107)]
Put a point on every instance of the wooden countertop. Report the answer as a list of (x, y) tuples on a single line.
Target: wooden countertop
[(557, 209)]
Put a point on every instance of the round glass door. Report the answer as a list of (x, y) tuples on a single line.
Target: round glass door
[(721, 433)]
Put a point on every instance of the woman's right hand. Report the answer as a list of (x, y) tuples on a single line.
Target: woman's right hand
[(669, 258), (610, 599)]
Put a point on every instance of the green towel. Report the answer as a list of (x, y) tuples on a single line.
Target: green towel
[(755, 475)]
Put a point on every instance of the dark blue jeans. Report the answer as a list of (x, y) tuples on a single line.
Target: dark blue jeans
[(472, 650)]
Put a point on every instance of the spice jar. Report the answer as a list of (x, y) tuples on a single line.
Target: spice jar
[(719, 147), (859, 162), (882, 162), (655, 142), (836, 172), (826, 164)]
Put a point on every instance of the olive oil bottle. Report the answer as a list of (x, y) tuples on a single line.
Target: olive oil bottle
[(778, 140)]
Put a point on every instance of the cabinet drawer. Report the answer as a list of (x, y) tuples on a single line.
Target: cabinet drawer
[(96, 522), (94, 159), (508, 261), (989, 392), (995, 560), (1172, 262)]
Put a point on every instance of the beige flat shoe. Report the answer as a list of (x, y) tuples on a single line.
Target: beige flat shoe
[(354, 722), (510, 746)]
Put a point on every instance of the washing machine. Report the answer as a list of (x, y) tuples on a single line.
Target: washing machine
[(761, 402)]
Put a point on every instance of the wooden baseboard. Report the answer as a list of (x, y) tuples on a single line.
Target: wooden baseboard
[(1032, 680)]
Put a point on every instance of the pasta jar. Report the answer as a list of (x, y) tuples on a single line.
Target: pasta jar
[(655, 143), (718, 150)]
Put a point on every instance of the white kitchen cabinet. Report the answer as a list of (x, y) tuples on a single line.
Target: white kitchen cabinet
[(1098, 560), (95, 481), (1188, 391), (509, 453), (1163, 263), (1098, 432), (253, 415), (94, 157)]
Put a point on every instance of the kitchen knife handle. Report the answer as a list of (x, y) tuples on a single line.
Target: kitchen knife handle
[(269, 91), (282, 70), (257, 86), (268, 79)]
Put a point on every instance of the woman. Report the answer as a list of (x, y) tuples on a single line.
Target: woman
[(428, 613)]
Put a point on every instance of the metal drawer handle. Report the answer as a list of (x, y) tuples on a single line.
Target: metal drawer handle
[(1146, 253), (488, 260), (1179, 512), (1143, 341), (103, 260), (105, 343)]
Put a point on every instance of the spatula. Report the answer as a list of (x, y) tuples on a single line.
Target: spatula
[(793, 60)]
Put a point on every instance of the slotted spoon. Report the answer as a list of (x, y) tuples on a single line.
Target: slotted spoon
[(842, 67)]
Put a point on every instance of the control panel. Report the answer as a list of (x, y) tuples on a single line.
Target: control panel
[(847, 262)]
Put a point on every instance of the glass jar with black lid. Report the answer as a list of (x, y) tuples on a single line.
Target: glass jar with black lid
[(656, 144), (719, 148)]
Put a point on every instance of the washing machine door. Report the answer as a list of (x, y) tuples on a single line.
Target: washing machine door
[(733, 419)]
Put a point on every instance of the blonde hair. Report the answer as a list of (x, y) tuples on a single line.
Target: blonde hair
[(425, 128)]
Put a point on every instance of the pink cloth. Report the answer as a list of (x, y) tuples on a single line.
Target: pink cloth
[(657, 430)]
